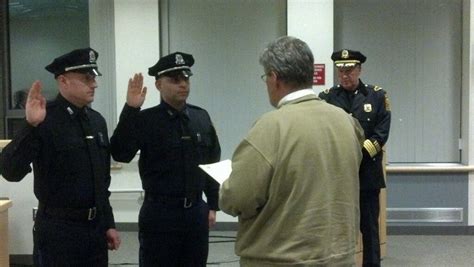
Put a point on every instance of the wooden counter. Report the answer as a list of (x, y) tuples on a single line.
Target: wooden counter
[(4, 253)]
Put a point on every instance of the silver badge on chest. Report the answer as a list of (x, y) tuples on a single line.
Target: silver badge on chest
[(368, 107)]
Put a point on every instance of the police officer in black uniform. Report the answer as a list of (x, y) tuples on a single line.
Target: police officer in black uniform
[(173, 138), (67, 142), (370, 106)]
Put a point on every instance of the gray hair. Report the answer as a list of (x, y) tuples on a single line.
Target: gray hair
[(291, 59)]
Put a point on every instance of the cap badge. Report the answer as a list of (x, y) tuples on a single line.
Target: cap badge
[(179, 59), (345, 54), (92, 58), (367, 107)]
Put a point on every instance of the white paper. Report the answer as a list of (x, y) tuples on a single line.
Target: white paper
[(219, 171)]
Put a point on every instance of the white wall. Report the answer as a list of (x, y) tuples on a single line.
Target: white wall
[(313, 22), (137, 46)]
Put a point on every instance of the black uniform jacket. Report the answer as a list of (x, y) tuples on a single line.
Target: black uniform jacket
[(71, 164), (370, 107), (172, 144)]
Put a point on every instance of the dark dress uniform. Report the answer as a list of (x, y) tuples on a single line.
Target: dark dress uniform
[(70, 153), (369, 105), (71, 162), (173, 220)]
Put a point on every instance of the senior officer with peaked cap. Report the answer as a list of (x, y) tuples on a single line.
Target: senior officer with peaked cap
[(173, 137), (370, 106), (67, 142)]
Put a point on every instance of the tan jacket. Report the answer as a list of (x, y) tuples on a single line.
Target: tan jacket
[(294, 187)]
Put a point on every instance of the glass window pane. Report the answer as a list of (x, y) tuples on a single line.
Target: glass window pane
[(40, 30)]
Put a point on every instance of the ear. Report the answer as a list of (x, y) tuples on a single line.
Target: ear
[(273, 78), (158, 84), (62, 81)]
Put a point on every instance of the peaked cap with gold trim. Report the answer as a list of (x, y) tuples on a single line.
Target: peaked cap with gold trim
[(347, 58)]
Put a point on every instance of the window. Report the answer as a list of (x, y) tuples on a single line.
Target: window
[(39, 31)]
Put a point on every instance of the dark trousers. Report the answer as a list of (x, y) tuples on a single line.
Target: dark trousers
[(173, 236), (59, 242), (369, 226)]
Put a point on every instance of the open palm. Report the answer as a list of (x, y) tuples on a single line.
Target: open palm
[(136, 92), (35, 105)]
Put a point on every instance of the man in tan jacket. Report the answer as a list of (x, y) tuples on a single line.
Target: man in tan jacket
[(292, 183)]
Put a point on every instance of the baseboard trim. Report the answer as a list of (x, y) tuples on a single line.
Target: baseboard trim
[(21, 259), (220, 226), (127, 227), (391, 230), (430, 230)]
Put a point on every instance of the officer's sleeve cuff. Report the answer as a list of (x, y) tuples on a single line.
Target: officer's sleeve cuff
[(128, 111), (372, 147)]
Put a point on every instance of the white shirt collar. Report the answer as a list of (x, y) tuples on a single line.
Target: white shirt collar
[(295, 95)]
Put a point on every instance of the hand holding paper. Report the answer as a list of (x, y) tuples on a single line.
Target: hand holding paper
[(219, 171)]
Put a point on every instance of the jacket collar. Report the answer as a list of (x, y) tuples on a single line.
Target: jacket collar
[(172, 112), (361, 88), (295, 96), (71, 109)]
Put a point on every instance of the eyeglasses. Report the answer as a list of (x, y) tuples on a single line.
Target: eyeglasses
[(263, 77)]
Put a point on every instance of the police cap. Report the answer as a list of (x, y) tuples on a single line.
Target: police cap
[(347, 58), (171, 64), (82, 60)]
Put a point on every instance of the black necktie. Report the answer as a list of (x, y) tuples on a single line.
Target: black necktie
[(188, 153), (89, 136)]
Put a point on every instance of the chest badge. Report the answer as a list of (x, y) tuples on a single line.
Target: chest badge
[(368, 107)]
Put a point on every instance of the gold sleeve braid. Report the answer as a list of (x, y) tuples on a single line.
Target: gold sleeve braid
[(387, 103), (372, 147)]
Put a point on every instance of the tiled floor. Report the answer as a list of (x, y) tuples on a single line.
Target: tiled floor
[(402, 250), (221, 250)]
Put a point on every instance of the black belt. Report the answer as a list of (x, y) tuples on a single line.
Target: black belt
[(179, 202), (71, 214)]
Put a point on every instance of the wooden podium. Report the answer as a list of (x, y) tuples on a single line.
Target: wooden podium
[(382, 221), (4, 254)]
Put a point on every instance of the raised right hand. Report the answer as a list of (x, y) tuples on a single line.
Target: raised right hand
[(35, 109), (136, 92)]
